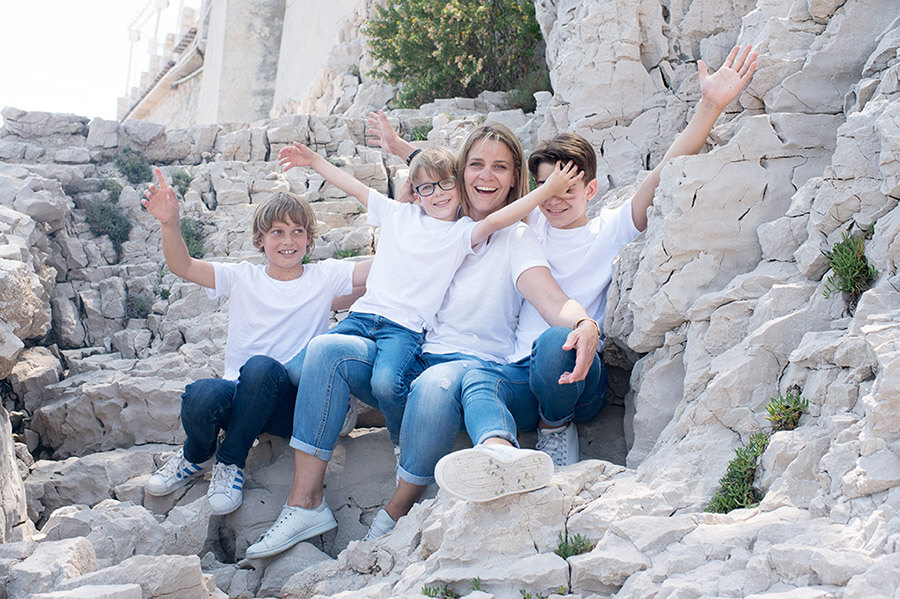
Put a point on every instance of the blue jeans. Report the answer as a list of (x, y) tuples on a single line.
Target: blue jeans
[(260, 401), (376, 357), (434, 414), (504, 398)]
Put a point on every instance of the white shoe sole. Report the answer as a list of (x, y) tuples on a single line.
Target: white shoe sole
[(288, 543), (479, 474)]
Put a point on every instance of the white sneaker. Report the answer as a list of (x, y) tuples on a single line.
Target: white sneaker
[(226, 489), (293, 525), (560, 443), (487, 472), (351, 417), (381, 525), (174, 474)]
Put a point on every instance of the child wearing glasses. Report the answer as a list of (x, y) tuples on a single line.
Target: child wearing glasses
[(419, 249)]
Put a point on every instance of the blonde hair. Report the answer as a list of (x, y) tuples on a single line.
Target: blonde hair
[(502, 134), (283, 207), (438, 161)]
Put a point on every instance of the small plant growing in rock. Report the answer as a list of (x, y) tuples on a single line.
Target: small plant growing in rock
[(785, 411), (527, 595), (440, 592), (106, 218), (574, 545), (192, 232), (138, 305), (134, 167), (852, 272), (161, 292), (112, 188), (736, 487), (348, 253), (420, 133), (181, 180), (476, 584)]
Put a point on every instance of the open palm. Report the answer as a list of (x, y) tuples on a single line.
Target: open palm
[(726, 83)]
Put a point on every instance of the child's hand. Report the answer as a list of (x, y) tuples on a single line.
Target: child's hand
[(161, 201), (382, 134), (562, 178), (405, 194), (724, 85), (295, 155)]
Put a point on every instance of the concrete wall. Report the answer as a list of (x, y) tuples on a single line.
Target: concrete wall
[(241, 61), (310, 32)]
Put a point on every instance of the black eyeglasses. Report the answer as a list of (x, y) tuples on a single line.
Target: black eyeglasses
[(426, 189)]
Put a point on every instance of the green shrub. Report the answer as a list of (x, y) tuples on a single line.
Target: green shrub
[(523, 94), (112, 188), (576, 545), (349, 253), (448, 48), (192, 232), (852, 272), (106, 218), (440, 592), (785, 411), (476, 584), (137, 305), (181, 180), (133, 166), (420, 133), (736, 487)]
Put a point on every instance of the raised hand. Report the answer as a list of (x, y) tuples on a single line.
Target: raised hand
[(725, 84), (161, 201), (381, 134), (562, 177), (295, 155)]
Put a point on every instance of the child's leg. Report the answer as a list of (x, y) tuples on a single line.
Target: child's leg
[(205, 409), (487, 393), (263, 401), (560, 404), (397, 348)]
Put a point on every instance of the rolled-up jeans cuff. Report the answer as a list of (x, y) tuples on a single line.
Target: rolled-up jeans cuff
[(557, 423), (422, 481), (499, 433), (299, 445)]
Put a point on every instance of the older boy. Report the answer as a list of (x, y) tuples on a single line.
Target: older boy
[(580, 252), (274, 310)]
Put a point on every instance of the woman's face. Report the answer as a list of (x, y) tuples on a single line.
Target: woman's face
[(488, 176)]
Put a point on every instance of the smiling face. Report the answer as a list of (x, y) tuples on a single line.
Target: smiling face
[(442, 204), (489, 175), (566, 211), (285, 246)]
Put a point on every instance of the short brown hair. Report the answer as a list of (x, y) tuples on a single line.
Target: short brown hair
[(282, 207), (439, 161), (495, 132), (563, 148)]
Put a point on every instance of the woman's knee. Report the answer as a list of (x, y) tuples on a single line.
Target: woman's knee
[(205, 397)]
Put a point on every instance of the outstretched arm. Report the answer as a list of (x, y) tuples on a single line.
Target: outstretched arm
[(161, 202), (300, 155), (557, 183), (539, 287), (717, 90), (384, 136)]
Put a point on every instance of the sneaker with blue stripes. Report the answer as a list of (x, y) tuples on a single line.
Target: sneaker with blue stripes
[(226, 489), (174, 474)]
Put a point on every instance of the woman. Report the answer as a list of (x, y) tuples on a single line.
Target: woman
[(474, 326)]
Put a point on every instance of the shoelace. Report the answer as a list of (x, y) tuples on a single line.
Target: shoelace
[(223, 478), (175, 464), (553, 444)]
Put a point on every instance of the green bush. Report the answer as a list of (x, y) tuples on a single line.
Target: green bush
[(349, 253), (852, 272), (106, 218), (181, 180), (112, 188), (576, 545), (192, 232), (133, 166), (440, 592), (448, 48), (138, 305), (736, 487), (420, 133), (785, 411)]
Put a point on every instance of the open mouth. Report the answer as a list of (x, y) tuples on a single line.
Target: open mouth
[(485, 190), (556, 210), (287, 252), (441, 203)]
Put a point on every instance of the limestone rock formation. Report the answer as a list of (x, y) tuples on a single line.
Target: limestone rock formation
[(716, 308)]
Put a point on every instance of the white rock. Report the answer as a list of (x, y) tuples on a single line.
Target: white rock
[(51, 564), (95, 591)]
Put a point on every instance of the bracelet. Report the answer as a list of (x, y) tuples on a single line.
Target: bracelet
[(591, 320), (409, 158)]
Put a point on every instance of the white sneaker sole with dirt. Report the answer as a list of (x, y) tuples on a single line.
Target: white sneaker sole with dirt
[(488, 472)]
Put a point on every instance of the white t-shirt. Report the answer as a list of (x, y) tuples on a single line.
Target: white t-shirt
[(581, 262), (478, 316), (416, 258), (276, 318)]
